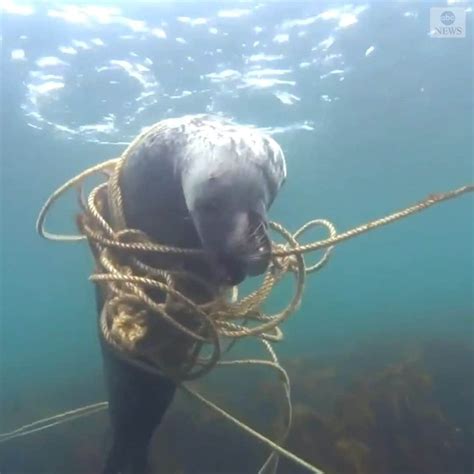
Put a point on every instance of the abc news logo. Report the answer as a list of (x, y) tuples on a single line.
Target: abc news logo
[(447, 22)]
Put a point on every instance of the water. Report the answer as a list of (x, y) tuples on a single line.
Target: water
[(373, 114)]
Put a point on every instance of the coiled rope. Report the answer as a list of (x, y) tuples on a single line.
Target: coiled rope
[(129, 308)]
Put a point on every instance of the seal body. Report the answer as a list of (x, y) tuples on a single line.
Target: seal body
[(192, 182), (204, 182)]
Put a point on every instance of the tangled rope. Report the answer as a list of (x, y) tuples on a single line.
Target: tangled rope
[(127, 279), (148, 318)]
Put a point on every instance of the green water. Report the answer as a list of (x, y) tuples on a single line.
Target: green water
[(365, 132)]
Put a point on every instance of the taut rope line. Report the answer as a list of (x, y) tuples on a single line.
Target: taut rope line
[(431, 200)]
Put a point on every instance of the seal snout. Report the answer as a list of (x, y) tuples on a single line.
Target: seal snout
[(244, 250), (258, 248)]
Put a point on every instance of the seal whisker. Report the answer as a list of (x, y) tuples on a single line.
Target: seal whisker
[(257, 229)]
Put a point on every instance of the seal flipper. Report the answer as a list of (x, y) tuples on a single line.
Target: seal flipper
[(138, 401)]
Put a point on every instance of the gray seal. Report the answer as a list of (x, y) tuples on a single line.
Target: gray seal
[(194, 182), (202, 181)]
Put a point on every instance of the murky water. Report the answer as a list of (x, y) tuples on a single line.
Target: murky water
[(373, 112)]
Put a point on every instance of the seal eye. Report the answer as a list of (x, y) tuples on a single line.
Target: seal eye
[(209, 207)]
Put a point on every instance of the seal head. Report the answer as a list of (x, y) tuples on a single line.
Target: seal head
[(229, 181), (203, 181)]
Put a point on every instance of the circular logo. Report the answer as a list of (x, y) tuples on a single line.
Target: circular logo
[(447, 18)]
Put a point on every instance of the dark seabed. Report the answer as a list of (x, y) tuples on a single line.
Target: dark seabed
[(373, 114)]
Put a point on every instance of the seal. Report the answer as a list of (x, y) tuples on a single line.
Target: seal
[(205, 182), (199, 182)]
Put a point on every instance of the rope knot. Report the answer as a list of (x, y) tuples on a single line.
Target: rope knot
[(285, 263), (129, 327)]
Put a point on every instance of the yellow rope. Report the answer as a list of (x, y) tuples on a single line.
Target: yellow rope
[(131, 316), (289, 455), (128, 279), (121, 322), (431, 200), (55, 420)]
